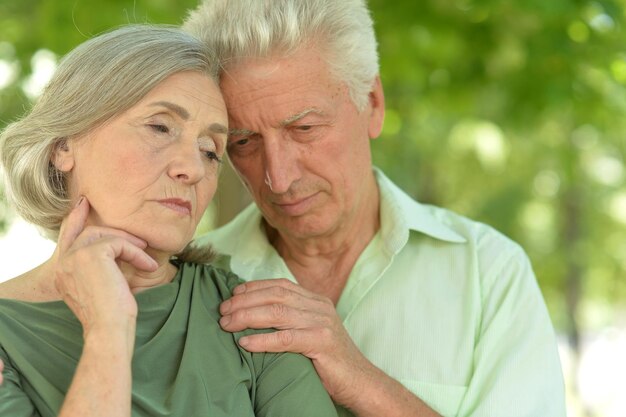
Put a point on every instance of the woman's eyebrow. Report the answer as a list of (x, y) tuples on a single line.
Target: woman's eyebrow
[(184, 114), (180, 111), (214, 128), (218, 128)]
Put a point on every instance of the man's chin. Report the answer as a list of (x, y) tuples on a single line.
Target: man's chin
[(299, 227)]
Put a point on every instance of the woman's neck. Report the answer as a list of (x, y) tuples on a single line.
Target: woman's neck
[(139, 280)]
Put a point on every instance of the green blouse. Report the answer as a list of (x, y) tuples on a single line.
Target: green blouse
[(183, 364)]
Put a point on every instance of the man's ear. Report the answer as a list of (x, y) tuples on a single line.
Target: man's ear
[(377, 108), (63, 155)]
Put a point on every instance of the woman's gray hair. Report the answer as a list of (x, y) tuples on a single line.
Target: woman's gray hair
[(341, 29), (98, 80)]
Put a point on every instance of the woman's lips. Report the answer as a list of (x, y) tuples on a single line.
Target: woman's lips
[(178, 205)]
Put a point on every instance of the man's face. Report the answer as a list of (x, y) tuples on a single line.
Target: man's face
[(299, 143)]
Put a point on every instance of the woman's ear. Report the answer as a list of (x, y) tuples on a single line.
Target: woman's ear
[(63, 156)]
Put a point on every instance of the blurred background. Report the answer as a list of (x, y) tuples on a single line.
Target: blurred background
[(509, 112)]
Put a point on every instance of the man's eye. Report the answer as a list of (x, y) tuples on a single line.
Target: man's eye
[(238, 142), (243, 145), (304, 128), (160, 128)]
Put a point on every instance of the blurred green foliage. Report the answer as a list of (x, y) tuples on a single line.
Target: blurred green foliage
[(513, 113), (510, 112)]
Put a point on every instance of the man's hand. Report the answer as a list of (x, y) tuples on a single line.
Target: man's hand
[(308, 323)]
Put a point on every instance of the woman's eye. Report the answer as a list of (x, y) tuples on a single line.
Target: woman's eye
[(212, 156), (160, 128)]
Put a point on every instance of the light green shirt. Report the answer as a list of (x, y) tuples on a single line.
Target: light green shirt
[(447, 306), (184, 364)]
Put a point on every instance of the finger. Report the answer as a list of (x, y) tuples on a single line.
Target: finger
[(271, 295), (266, 283), (73, 224), (121, 249), (277, 316), (94, 233), (305, 342)]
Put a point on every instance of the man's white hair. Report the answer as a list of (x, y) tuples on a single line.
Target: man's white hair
[(342, 30)]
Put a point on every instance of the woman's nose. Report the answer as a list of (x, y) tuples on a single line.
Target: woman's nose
[(187, 164)]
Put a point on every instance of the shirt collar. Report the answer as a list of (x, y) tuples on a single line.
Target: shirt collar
[(399, 214)]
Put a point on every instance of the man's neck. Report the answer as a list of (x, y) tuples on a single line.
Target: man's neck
[(323, 264)]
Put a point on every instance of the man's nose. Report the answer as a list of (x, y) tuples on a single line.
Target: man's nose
[(281, 159)]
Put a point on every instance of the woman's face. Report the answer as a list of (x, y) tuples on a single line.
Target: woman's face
[(152, 170)]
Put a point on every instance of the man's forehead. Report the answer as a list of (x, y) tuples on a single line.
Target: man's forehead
[(255, 67), (255, 72)]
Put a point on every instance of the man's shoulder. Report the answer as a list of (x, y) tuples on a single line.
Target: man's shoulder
[(458, 235)]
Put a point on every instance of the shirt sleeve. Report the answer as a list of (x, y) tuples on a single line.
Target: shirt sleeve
[(287, 385), (517, 371), (13, 400)]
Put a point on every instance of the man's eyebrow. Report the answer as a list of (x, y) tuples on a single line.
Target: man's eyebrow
[(240, 132), (183, 113), (286, 122), (302, 114)]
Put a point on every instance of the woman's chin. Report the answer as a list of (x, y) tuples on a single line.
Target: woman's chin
[(165, 249)]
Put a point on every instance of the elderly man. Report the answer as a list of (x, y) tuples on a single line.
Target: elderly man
[(404, 309)]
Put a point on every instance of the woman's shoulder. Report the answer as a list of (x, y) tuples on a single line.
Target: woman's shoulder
[(216, 279), (28, 287), (10, 289)]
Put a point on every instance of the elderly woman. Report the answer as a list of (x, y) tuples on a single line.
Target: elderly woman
[(118, 161)]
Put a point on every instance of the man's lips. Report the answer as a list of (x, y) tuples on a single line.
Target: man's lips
[(178, 205), (295, 207)]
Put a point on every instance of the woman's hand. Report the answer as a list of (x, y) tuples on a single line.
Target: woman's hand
[(88, 277), (87, 273)]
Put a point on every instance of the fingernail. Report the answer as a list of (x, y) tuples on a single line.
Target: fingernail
[(224, 321), (240, 289), (244, 341), (80, 200), (225, 307)]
